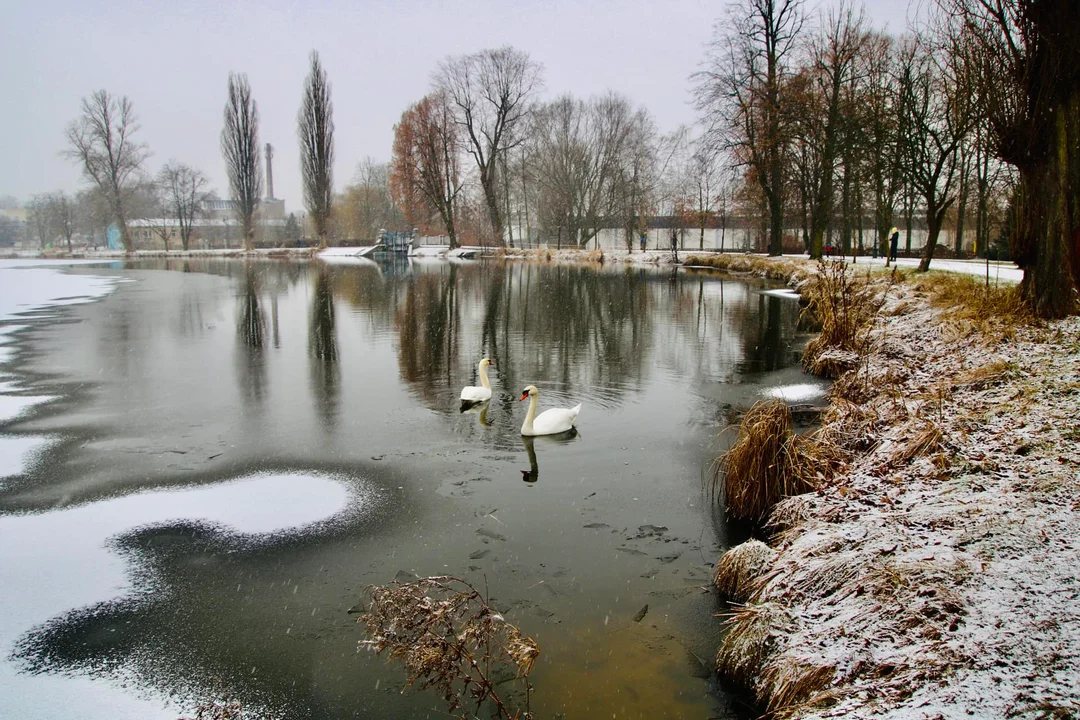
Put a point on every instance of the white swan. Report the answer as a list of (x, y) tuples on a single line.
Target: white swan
[(473, 394), (549, 422)]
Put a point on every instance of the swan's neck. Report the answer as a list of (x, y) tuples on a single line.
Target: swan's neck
[(483, 377), (531, 414)]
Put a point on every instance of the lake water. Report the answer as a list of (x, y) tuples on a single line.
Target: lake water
[(201, 471)]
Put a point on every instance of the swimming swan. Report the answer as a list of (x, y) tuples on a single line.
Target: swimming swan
[(473, 394), (549, 422)]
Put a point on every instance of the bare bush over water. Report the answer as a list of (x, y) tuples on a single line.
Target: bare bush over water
[(448, 637)]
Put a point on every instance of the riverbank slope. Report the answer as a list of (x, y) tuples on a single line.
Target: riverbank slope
[(936, 574)]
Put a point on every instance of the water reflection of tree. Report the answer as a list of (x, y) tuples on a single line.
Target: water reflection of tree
[(251, 332), (322, 347), (427, 326)]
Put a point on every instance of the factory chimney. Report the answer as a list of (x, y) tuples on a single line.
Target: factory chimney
[(269, 172)]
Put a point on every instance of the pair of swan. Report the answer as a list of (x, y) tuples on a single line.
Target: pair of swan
[(549, 422)]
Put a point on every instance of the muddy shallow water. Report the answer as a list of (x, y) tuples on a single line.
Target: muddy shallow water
[(232, 451)]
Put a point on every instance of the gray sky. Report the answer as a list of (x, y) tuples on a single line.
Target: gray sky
[(172, 60)]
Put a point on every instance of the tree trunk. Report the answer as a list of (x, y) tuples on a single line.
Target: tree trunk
[(934, 218), (1047, 236), (491, 198), (776, 228)]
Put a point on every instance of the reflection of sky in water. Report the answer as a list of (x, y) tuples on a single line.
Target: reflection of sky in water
[(66, 552)]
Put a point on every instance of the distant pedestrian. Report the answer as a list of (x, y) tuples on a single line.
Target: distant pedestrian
[(894, 242), (642, 242)]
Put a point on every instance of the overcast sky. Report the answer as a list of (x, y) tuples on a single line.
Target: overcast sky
[(172, 60)]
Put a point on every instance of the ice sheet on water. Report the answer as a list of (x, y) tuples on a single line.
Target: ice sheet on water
[(28, 288), (17, 452), (796, 393)]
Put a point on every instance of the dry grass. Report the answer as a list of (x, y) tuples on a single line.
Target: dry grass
[(995, 313), (796, 685), (846, 306), (739, 567), (752, 634), (983, 376), (924, 440), (769, 462)]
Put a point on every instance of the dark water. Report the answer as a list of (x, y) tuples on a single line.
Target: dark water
[(238, 449)]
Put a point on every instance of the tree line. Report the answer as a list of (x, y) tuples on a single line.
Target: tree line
[(814, 128)]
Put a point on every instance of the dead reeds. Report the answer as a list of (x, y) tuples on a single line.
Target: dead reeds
[(739, 567), (796, 685), (449, 639), (993, 312), (769, 462), (845, 305), (753, 632)]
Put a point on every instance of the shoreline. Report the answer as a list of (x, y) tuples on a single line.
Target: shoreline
[(934, 575)]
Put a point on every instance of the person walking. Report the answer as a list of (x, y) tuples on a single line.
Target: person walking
[(894, 241)]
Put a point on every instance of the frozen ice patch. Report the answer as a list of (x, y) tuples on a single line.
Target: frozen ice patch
[(17, 452), (796, 393), (25, 289), (787, 293)]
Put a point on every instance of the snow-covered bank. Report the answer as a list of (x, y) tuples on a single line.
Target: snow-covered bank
[(936, 575)]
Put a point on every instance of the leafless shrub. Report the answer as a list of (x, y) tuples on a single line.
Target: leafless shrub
[(739, 567), (448, 637)]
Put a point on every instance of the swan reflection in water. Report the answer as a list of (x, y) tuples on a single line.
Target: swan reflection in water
[(479, 409), (533, 473)]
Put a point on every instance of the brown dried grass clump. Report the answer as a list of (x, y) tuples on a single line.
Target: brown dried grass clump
[(768, 462), (739, 567), (925, 440), (973, 307), (448, 638), (984, 376), (845, 305), (793, 685), (752, 634)]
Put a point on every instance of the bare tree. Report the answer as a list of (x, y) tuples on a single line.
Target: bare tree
[(489, 92), (585, 163), (937, 114), (240, 148), (315, 126), (739, 90), (101, 142), (1026, 55), (184, 196), (425, 174), (38, 223), (822, 122)]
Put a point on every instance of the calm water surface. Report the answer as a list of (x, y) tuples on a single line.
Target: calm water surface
[(237, 449)]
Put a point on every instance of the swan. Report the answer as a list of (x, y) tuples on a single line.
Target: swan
[(549, 422), (472, 394)]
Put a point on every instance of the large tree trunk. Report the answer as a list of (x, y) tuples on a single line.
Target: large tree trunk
[(1046, 241), (776, 226), (491, 198)]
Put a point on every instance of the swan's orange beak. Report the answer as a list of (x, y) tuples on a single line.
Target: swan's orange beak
[(523, 396)]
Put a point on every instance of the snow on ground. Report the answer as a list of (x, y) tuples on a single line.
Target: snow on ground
[(937, 577)]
